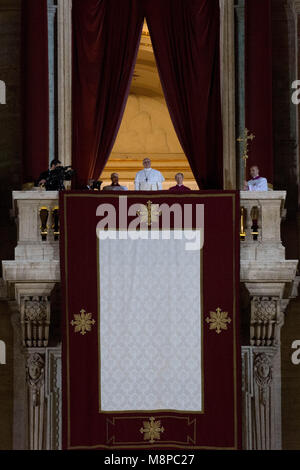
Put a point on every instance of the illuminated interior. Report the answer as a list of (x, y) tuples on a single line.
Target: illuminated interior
[(146, 129)]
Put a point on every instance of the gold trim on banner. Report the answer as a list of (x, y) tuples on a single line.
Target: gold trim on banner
[(190, 439), (218, 320), (152, 430), (175, 444), (83, 322)]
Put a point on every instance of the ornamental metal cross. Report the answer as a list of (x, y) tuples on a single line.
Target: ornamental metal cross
[(246, 139), (149, 214)]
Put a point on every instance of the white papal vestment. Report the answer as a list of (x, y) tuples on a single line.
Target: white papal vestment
[(148, 179), (258, 184)]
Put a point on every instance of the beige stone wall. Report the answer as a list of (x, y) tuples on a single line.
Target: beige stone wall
[(146, 128)]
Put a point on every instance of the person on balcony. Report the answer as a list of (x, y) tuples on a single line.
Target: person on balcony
[(257, 183), (180, 186), (115, 186), (148, 179), (53, 179)]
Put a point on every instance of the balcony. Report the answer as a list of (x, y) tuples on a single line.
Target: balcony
[(269, 278)]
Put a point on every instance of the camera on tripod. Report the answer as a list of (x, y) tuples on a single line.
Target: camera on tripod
[(56, 178)]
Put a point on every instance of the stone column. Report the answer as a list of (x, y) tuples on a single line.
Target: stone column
[(262, 393), (240, 87), (271, 282), (228, 92), (64, 33), (32, 325), (51, 65), (35, 378)]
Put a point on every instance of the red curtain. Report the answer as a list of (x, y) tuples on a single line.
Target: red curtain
[(35, 93), (185, 37), (258, 75), (105, 42)]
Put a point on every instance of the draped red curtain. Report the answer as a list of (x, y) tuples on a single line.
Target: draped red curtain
[(35, 92), (105, 42), (258, 75), (185, 37)]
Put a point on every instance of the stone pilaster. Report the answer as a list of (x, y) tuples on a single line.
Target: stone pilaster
[(228, 92), (51, 67), (261, 398), (240, 82), (54, 398), (35, 380), (271, 282), (64, 78)]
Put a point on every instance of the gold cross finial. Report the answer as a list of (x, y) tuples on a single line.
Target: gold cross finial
[(149, 214), (247, 137)]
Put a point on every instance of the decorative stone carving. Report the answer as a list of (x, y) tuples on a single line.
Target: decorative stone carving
[(265, 319), (35, 378), (35, 320), (261, 398), (263, 375)]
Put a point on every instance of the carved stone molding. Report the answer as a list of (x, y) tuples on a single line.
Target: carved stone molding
[(54, 398), (35, 320), (35, 375), (295, 5), (35, 379), (261, 398), (263, 372), (266, 321), (44, 402)]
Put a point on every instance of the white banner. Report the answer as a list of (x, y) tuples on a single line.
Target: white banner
[(150, 325)]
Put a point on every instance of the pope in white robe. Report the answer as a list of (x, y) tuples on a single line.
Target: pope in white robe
[(257, 183), (148, 179)]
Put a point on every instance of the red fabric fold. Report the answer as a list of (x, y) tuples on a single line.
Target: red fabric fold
[(35, 88), (105, 42), (185, 36), (258, 73)]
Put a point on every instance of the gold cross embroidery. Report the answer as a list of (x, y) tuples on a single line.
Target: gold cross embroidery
[(152, 430), (218, 320), (83, 322)]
